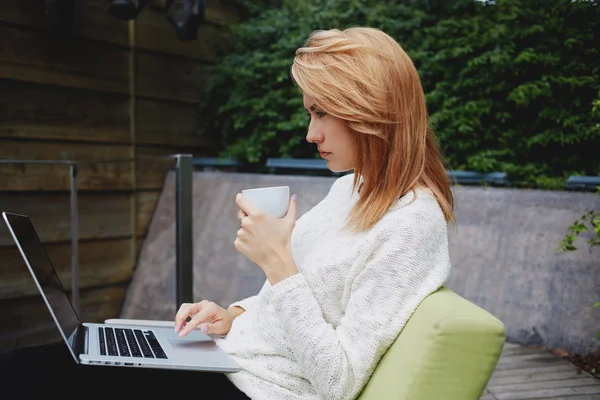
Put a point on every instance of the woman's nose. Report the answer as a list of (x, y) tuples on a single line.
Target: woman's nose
[(312, 136)]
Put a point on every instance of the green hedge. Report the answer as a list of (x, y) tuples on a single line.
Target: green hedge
[(511, 85)]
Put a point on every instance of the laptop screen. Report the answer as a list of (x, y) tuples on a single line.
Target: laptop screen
[(45, 275)]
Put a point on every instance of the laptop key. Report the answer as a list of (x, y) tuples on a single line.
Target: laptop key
[(144, 347), (156, 348), (111, 343), (122, 343), (102, 342), (133, 345)]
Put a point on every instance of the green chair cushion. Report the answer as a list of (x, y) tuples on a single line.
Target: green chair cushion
[(448, 350)]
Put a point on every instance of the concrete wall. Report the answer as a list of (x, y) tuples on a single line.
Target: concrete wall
[(503, 256), (505, 260)]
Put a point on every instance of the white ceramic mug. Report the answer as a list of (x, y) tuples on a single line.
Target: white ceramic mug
[(273, 200)]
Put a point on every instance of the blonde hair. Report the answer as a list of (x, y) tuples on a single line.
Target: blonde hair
[(362, 76)]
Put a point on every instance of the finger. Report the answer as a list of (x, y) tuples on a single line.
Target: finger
[(245, 223), (245, 205), (207, 328), (182, 314), (242, 246), (241, 214), (239, 245), (242, 234), (187, 310), (199, 318), (292, 209)]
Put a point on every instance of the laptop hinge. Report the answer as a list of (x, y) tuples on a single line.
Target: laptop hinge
[(81, 340)]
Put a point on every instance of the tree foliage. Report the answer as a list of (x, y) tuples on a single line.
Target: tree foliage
[(510, 84)]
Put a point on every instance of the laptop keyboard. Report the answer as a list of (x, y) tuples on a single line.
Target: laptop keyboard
[(127, 342)]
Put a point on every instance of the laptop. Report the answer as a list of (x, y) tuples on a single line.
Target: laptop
[(112, 345)]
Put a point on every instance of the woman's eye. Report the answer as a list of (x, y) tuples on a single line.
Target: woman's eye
[(320, 113)]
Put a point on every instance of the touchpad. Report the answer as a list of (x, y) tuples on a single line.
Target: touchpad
[(182, 344)]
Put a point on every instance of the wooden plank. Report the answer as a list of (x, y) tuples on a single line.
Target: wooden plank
[(159, 121), (64, 61), (31, 177), (162, 76), (537, 369), (541, 355), (543, 359), (26, 321), (552, 393), (101, 262), (37, 111), (221, 12), (91, 19), (100, 215), (554, 384), (146, 202), (151, 173), (509, 345), (583, 397), (520, 350), (534, 377), (217, 11), (153, 32), (487, 396)]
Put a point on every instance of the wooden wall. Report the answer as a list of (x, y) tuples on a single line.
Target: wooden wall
[(110, 89)]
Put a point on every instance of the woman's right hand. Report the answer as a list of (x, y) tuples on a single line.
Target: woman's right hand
[(211, 317)]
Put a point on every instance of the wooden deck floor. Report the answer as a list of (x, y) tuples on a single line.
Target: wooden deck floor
[(534, 374)]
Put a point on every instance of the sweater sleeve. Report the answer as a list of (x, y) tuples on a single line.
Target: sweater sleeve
[(245, 303), (409, 263), (250, 301)]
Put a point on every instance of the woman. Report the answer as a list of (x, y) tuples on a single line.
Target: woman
[(341, 281)]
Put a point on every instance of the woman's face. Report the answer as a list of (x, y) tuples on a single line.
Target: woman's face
[(333, 137)]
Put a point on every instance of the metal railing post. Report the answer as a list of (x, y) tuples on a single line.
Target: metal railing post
[(184, 230), (74, 214)]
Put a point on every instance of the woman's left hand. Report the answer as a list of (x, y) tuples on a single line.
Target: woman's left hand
[(265, 240)]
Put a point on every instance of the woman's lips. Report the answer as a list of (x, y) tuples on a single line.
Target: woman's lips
[(324, 154)]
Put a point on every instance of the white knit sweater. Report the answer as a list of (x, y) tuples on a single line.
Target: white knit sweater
[(320, 333)]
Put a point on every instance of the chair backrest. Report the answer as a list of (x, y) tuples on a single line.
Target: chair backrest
[(448, 350)]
